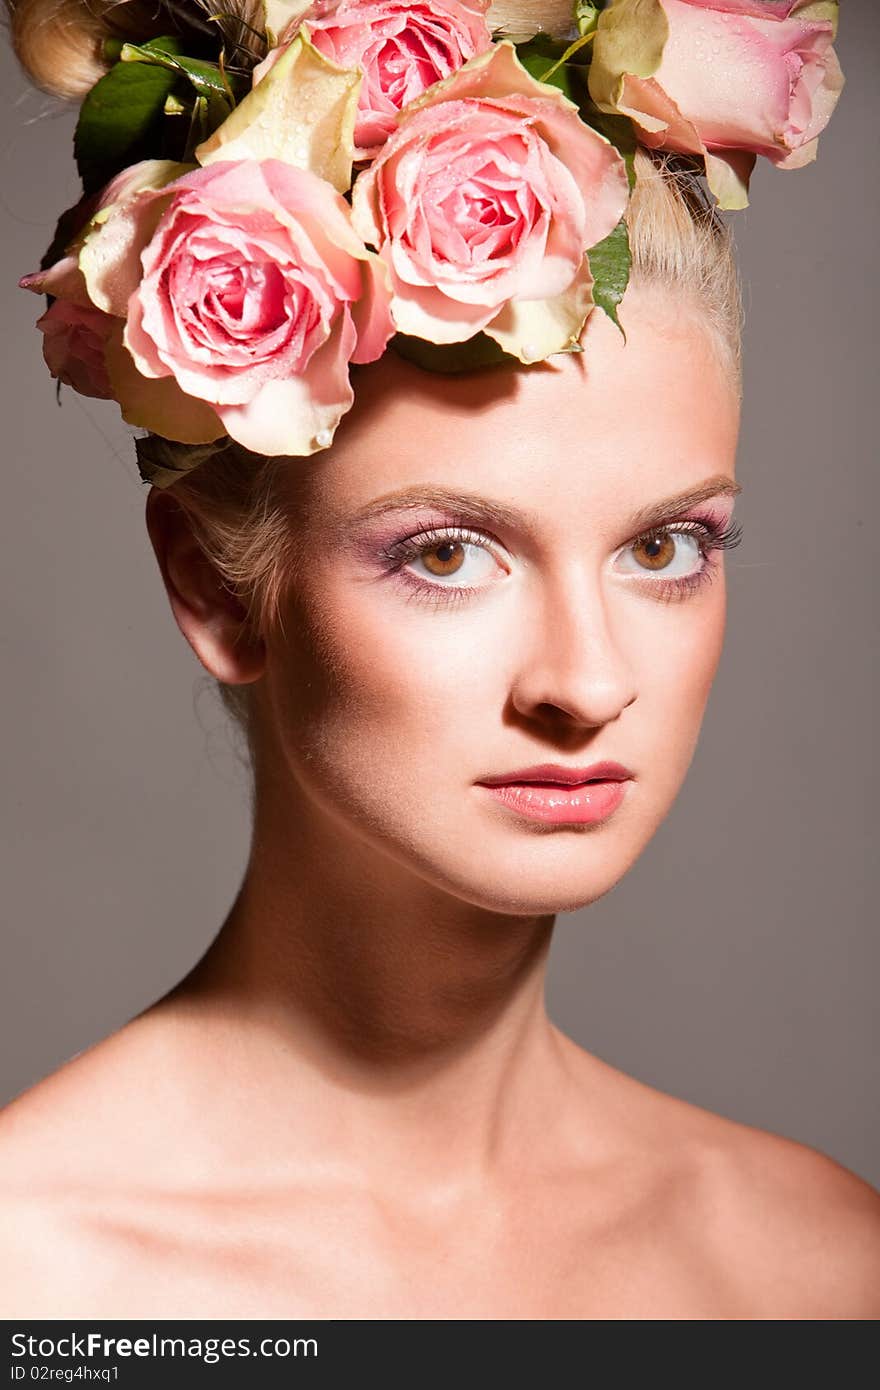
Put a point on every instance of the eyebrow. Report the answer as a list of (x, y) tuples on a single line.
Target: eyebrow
[(488, 510)]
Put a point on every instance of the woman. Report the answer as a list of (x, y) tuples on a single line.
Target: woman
[(495, 588)]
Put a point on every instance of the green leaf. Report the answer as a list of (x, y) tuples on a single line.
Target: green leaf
[(449, 358), (578, 46), (207, 78), (537, 54), (542, 55), (199, 126), (167, 43), (610, 262), (619, 130), (162, 461), (68, 226), (121, 120)]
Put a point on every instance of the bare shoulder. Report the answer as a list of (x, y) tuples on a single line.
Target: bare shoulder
[(71, 1146), (805, 1228), (791, 1232), (61, 1127), (764, 1226), (38, 1242)]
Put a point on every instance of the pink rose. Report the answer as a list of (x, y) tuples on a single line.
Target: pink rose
[(75, 333), (727, 79), (245, 289), (74, 343), (402, 47), (483, 204)]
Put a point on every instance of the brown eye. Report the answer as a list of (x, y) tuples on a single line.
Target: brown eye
[(462, 557), (657, 551), (449, 556)]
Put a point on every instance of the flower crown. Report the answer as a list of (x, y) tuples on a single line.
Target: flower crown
[(371, 173)]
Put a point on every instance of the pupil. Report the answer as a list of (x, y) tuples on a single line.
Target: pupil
[(448, 547)]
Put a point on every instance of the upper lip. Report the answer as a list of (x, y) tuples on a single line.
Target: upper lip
[(556, 772)]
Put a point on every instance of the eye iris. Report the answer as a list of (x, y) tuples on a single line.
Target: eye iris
[(450, 555), (659, 549)]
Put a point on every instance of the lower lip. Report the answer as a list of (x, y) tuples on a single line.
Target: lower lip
[(586, 804)]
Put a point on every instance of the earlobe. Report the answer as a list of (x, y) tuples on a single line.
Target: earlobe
[(210, 616)]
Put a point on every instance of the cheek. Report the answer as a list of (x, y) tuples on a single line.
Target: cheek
[(368, 682), (372, 692), (677, 658)]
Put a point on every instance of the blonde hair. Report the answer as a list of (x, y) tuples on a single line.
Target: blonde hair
[(235, 507), (59, 43)]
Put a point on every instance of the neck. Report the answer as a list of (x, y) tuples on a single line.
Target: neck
[(409, 1025)]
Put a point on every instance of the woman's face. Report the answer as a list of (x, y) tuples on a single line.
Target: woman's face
[(431, 644)]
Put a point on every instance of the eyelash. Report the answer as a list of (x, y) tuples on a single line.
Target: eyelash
[(712, 534)]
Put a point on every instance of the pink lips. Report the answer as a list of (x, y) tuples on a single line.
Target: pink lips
[(557, 794)]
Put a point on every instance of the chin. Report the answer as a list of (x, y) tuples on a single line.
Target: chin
[(539, 880), (536, 899)]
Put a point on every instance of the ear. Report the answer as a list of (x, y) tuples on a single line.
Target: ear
[(210, 617)]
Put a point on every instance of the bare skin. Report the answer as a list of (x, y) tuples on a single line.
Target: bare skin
[(355, 1105)]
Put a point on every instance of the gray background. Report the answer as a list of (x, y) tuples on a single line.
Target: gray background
[(735, 965)]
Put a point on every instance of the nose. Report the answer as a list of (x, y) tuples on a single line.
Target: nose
[(571, 658)]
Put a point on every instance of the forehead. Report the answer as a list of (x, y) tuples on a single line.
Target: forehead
[(596, 433)]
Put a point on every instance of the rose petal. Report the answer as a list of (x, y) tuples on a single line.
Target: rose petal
[(63, 280), (110, 255), (490, 191), (303, 112), (158, 405), (725, 79), (298, 415), (534, 329), (74, 339)]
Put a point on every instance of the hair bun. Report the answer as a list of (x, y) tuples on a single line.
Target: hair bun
[(59, 43), (518, 18)]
